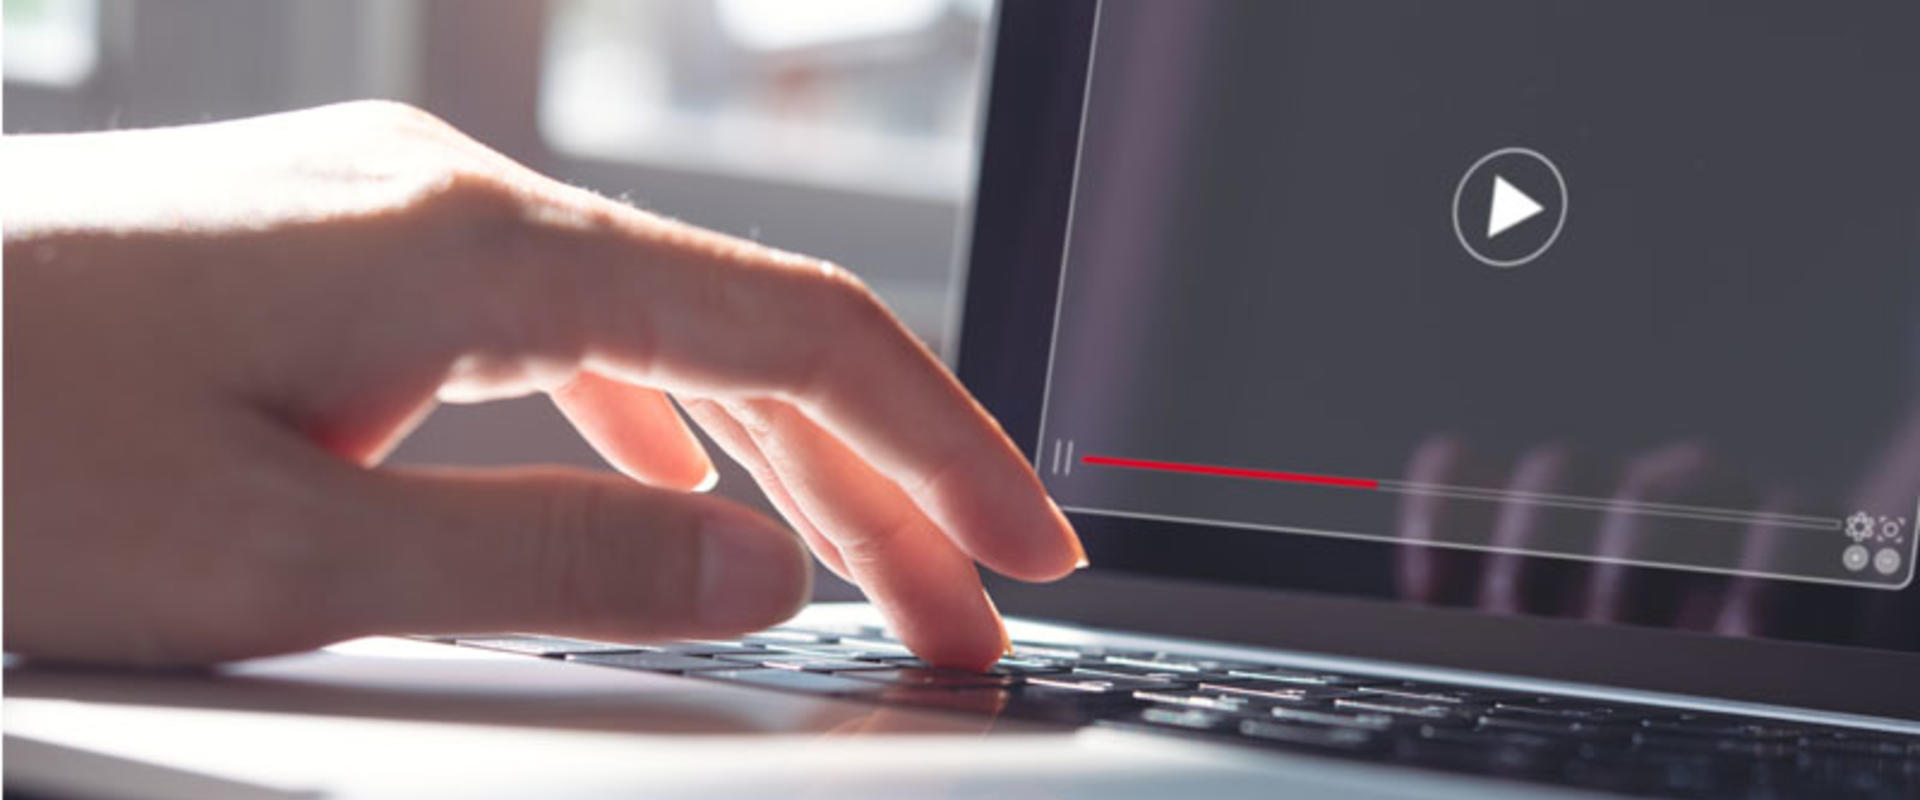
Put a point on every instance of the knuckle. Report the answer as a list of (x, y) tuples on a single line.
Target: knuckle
[(399, 115), (850, 300), (477, 203), (880, 544), (939, 481), (874, 547), (849, 319), (479, 229), (433, 167), (511, 279), (756, 417)]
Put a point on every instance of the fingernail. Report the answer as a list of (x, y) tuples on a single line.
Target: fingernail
[(1006, 640), (1073, 537), (707, 483), (751, 574)]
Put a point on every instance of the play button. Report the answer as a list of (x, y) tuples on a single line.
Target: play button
[(1518, 199), (1510, 207)]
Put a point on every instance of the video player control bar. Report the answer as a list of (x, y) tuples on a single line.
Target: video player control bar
[(1868, 547), (1474, 493)]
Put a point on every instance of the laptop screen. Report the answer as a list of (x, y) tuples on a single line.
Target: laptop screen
[(1553, 308)]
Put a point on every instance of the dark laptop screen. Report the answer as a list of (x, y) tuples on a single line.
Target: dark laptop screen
[(1594, 310)]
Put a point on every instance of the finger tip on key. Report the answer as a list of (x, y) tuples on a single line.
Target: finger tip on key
[(971, 653), (965, 639)]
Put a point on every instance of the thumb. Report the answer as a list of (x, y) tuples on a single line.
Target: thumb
[(563, 551)]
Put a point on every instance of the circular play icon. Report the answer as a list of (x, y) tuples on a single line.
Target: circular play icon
[(1509, 207)]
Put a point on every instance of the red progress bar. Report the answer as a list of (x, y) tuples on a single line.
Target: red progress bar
[(1232, 472)]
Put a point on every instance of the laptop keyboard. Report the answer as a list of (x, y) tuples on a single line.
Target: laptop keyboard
[(1646, 750)]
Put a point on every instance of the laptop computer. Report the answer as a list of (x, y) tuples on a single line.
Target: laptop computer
[(1480, 398)]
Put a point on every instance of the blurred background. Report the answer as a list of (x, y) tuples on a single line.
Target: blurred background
[(840, 128)]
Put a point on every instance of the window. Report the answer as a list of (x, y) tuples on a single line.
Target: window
[(869, 95), (51, 42)]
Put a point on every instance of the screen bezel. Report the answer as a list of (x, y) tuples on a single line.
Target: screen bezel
[(1012, 260)]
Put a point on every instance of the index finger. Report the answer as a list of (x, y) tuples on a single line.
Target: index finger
[(666, 304)]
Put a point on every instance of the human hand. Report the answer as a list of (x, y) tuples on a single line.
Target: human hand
[(215, 333)]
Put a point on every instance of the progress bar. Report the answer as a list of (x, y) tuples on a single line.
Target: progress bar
[(1232, 472), (1474, 493)]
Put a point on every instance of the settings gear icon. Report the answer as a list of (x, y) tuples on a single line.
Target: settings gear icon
[(1860, 526)]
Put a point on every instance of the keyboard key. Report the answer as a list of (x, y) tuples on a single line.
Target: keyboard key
[(1050, 651), (1731, 746), (1433, 693), (877, 647), (836, 650), (1567, 708), (1190, 718), (1123, 670), (1715, 725), (1557, 726), (982, 701), (1023, 666), (653, 662), (815, 663), (844, 629), (1068, 706), (791, 680), (1302, 677), (544, 646), (1368, 720), (1684, 775), (910, 662), (1860, 744), (781, 659), (1096, 683), (1485, 737), (935, 678), (1162, 662), (1299, 695), (1181, 719), (1339, 738), (1470, 751), (1211, 701), (782, 636), (705, 648), (1431, 712)]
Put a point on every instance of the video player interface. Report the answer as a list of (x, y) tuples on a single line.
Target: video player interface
[(1533, 279)]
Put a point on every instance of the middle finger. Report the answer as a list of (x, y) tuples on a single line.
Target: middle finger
[(924, 585)]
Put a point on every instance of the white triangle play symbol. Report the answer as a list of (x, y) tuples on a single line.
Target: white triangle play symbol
[(1510, 207)]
